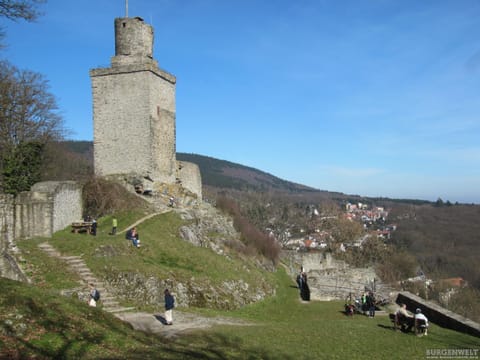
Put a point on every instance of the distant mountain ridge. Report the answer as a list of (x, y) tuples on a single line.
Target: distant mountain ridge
[(217, 173), (226, 174)]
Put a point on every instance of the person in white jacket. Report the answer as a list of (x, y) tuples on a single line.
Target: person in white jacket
[(421, 322)]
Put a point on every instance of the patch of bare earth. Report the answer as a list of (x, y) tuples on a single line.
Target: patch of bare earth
[(182, 322)]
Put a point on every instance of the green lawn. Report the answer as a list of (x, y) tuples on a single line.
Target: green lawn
[(36, 322), (289, 329)]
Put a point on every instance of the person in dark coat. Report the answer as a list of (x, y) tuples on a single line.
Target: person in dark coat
[(371, 304), (94, 227), (304, 289), (169, 305)]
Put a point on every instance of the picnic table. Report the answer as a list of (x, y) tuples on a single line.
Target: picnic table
[(82, 226)]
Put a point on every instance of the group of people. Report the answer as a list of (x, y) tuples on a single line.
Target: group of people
[(366, 304), (369, 303), (407, 321)]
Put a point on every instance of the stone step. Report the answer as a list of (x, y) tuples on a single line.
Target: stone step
[(72, 258), (77, 264), (120, 309), (90, 280), (83, 271), (45, 245), (110, 304)]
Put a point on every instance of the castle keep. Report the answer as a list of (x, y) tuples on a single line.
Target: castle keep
[(134, 112)]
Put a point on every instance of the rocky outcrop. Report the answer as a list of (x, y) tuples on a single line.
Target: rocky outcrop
[(148, 290)]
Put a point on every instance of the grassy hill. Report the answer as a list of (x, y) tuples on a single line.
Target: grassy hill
[(38, 323), (164, 256), (267, 197)]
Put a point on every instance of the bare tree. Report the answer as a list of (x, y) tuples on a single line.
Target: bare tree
[(17, 10), (20, 9), (28, 111), (28, 114)]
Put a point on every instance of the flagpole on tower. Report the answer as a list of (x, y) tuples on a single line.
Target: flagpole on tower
[(126, 8)]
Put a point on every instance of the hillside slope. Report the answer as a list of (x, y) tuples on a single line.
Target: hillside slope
[(225, 174), (216, 173), (268, 198)]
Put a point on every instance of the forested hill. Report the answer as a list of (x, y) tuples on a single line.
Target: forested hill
[(224, 174), (216, 173)]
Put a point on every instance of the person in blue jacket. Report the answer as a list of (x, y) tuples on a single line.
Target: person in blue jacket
[(169, 305)]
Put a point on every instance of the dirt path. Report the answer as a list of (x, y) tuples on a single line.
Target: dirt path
[(182, 322), (142, 220)]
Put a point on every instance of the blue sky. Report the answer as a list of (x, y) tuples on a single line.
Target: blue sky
[(366, 97)]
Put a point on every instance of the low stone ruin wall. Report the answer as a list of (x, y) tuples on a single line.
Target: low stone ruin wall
[(328, 278), (438, 315), (48, 207)]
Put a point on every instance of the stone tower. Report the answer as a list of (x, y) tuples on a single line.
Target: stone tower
[(134, 109)]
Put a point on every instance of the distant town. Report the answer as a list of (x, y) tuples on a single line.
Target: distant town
[(374, 220)]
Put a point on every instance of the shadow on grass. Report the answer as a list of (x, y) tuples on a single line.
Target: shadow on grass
[(216, 346), (387, 327)]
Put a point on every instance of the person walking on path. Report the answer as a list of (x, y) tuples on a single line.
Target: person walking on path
[(114, 225), (169, 305)]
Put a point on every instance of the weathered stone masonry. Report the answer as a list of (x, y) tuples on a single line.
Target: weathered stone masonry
[(134, 108), (134, 112), (48, 207)]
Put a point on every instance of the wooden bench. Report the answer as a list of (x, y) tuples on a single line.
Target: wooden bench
[(82, 226), (400, 322)]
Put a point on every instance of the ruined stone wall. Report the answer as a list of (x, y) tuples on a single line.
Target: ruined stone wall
[(8, 266), (329, 279), (33, 214), (6, 221), (67, 202), (48, 207), (190, 177)]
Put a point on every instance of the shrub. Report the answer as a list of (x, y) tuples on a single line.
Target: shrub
[(250, 235), (102, 197)]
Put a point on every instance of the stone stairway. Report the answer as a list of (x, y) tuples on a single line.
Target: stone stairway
[(76, 264)]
